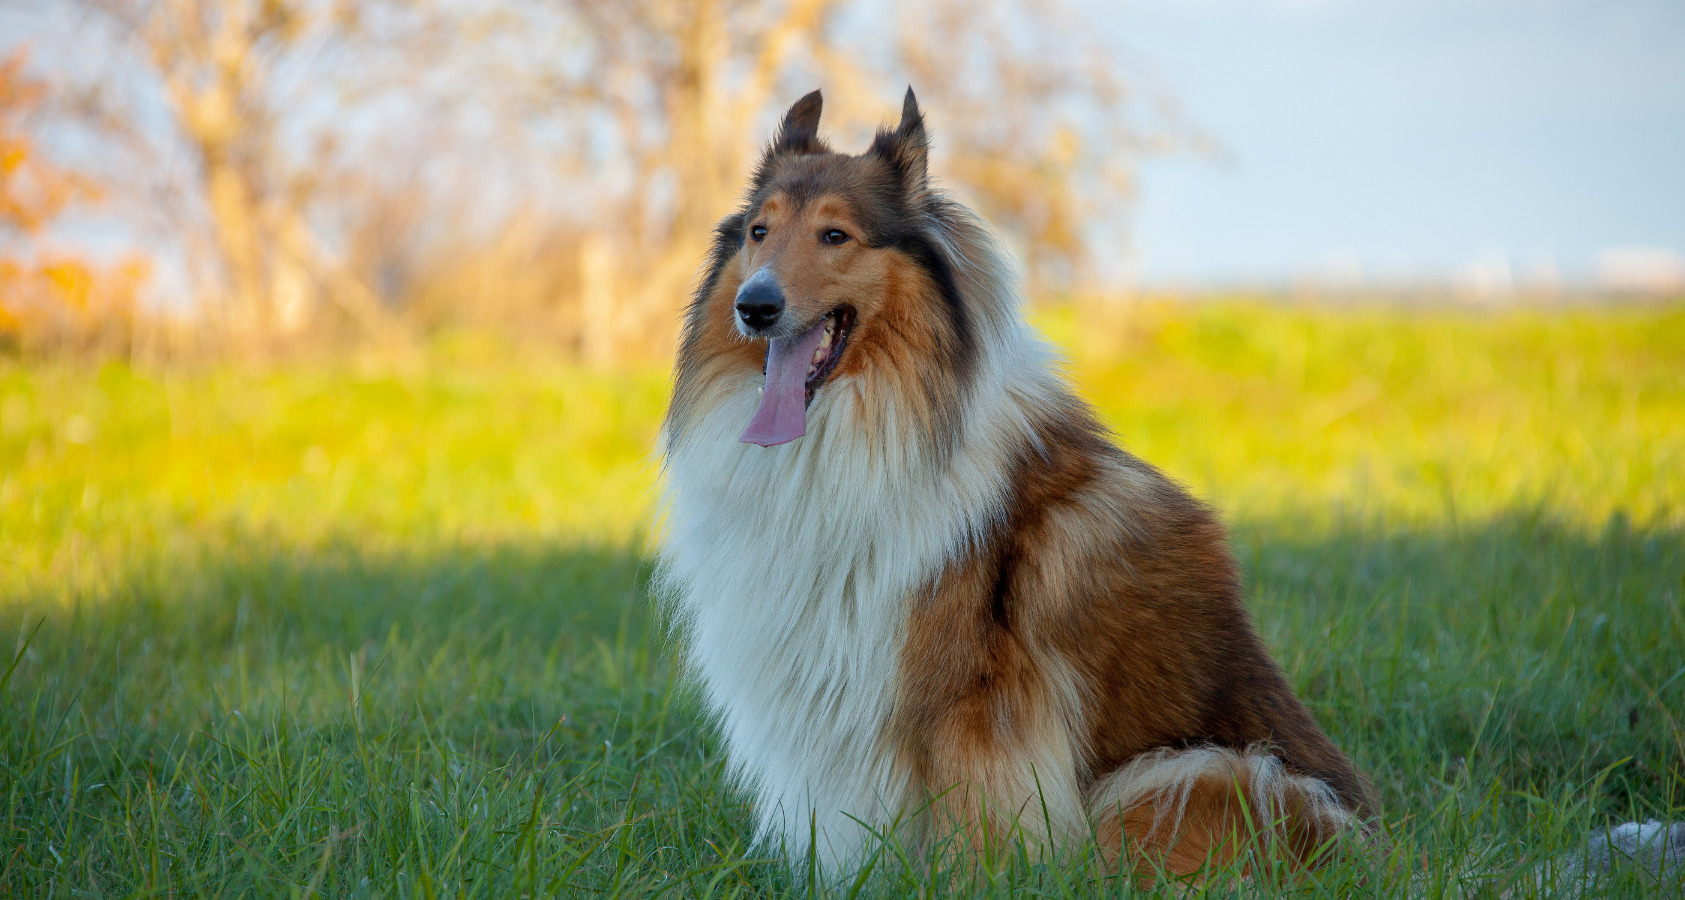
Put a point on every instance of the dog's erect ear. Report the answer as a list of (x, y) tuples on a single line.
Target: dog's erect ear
[(799, 132), (907, 148)]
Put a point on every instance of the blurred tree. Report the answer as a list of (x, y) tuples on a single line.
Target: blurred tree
[(556, 166), (48, 300), (33, 191), (235, 77)]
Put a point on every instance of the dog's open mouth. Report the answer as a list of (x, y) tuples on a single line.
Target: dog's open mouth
[(835, 327), (795, 369)]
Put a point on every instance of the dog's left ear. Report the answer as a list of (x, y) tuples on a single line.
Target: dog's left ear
[(907, 148), (799, 132)]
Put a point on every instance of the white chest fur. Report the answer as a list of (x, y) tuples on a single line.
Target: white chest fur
[(791, 569)]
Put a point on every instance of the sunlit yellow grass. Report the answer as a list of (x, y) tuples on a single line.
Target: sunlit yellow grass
[(463, 452), (1290, 415), (1420, 418)]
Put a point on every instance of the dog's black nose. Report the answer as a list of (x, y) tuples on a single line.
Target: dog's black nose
[(759, 303)]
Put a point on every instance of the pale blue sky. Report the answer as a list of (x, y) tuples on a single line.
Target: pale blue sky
[(1406, 138)]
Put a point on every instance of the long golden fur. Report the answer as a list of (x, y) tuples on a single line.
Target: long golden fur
[(941, 597)]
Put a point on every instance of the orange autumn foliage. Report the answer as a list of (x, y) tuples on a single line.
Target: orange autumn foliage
[(68, 303)]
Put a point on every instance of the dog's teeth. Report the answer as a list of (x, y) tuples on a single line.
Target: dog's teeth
[(825, 339)]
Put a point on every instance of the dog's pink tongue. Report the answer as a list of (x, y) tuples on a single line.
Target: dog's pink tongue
[(782, 415)]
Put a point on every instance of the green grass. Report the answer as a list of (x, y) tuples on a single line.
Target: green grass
[(355, 632)]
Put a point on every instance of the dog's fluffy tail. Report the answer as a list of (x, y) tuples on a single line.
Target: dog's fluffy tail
[(1180, 810)]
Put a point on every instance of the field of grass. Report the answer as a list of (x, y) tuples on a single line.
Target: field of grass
[(341, 630)]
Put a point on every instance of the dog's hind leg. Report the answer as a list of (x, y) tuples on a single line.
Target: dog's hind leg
[(1177, 812)]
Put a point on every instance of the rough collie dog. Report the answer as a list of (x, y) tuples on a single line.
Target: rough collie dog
[(915, 581)]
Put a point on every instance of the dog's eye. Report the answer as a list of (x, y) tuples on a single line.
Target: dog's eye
[(757, 233), (836, 236)]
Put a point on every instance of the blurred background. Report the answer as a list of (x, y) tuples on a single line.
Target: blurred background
[(335, 337), (190, 174)]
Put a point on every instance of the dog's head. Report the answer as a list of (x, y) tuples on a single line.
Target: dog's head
[(834, 271)]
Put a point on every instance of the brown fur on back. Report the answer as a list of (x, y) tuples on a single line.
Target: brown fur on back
[(1108, 568)]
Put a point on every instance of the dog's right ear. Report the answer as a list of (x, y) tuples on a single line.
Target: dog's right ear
[(799, 132)]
